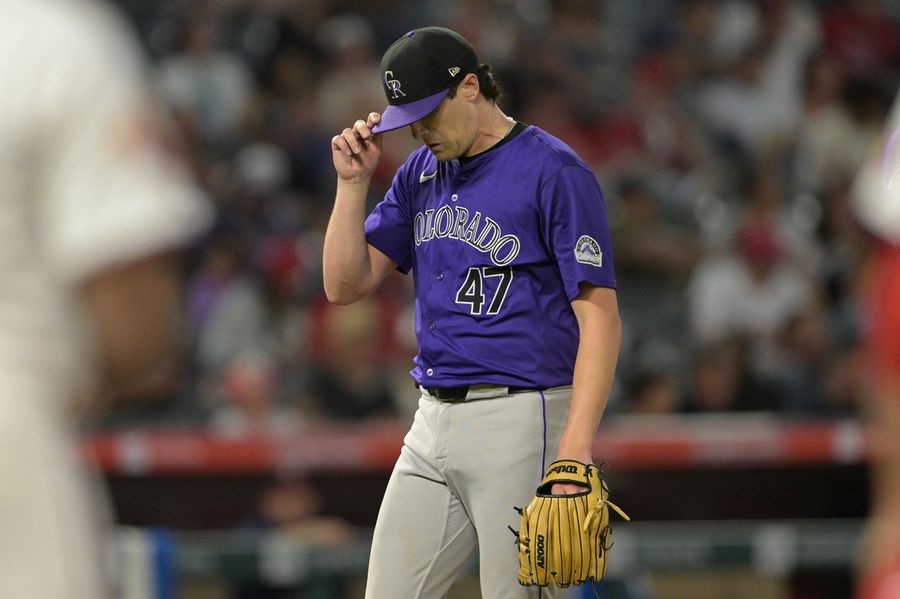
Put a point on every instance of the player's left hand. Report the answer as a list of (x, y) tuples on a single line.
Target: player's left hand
[(566, 489), (568, 454), (562, 539)]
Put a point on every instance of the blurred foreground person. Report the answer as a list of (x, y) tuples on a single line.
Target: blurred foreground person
[(878, 206), (92, 207)]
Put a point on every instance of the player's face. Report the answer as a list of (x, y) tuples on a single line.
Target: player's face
[(449, 130)]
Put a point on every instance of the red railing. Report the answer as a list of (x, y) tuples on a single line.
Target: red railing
[(373, 446)]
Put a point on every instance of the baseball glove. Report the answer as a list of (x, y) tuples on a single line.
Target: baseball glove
[(564, 539)]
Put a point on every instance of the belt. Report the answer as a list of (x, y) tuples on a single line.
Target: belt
[(459, 394)]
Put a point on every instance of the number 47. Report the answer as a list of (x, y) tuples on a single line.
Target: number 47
[(471, 292)]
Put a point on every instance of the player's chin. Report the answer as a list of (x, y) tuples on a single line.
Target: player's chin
[(442, 153)]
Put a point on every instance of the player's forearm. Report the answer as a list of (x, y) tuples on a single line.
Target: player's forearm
[(595, 366), (134, 310), (346, 265), (882, 540)]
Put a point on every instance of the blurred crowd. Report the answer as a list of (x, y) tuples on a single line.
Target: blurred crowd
[(725, 135)]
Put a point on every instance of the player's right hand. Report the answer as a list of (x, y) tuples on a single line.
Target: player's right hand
[(356, 150)]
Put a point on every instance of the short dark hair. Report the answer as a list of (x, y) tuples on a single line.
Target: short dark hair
[(490, 89)]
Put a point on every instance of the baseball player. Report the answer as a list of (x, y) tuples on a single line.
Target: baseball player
[(90, 206), (877, 193), (503, 227)]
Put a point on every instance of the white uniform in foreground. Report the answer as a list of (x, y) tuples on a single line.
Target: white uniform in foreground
[(85, 189)]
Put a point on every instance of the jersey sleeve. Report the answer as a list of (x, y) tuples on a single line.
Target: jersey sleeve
[(389, 227), (576, 231), (112, 190)]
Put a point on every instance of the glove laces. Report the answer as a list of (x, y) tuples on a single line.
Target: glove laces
[(594, 512)]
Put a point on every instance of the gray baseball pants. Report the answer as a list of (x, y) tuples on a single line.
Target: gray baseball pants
[(462, 468)]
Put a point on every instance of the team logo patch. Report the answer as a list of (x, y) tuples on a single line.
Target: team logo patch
[(587, 251)]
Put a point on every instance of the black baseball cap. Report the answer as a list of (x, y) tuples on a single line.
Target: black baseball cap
[(417, 72)]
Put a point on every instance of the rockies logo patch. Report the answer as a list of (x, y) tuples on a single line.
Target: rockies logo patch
[(587, 251)]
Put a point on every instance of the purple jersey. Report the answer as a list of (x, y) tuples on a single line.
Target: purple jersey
[(498, 246)]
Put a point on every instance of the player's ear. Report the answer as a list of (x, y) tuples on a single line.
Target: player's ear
[(469, 87)]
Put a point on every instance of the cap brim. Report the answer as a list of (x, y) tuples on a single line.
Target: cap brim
[(395, 117)]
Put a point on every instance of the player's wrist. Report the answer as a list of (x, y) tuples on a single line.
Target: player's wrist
[(575, 449), (358, 185)]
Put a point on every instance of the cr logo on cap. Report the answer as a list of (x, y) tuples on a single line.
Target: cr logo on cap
[(393, 85)]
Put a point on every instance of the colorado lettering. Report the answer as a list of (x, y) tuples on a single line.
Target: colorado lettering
[(481, 232)]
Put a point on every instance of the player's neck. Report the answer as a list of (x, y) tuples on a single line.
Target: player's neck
[(493, 127)]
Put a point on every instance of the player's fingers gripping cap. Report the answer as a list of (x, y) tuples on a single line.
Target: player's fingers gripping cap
[(417, 72)]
